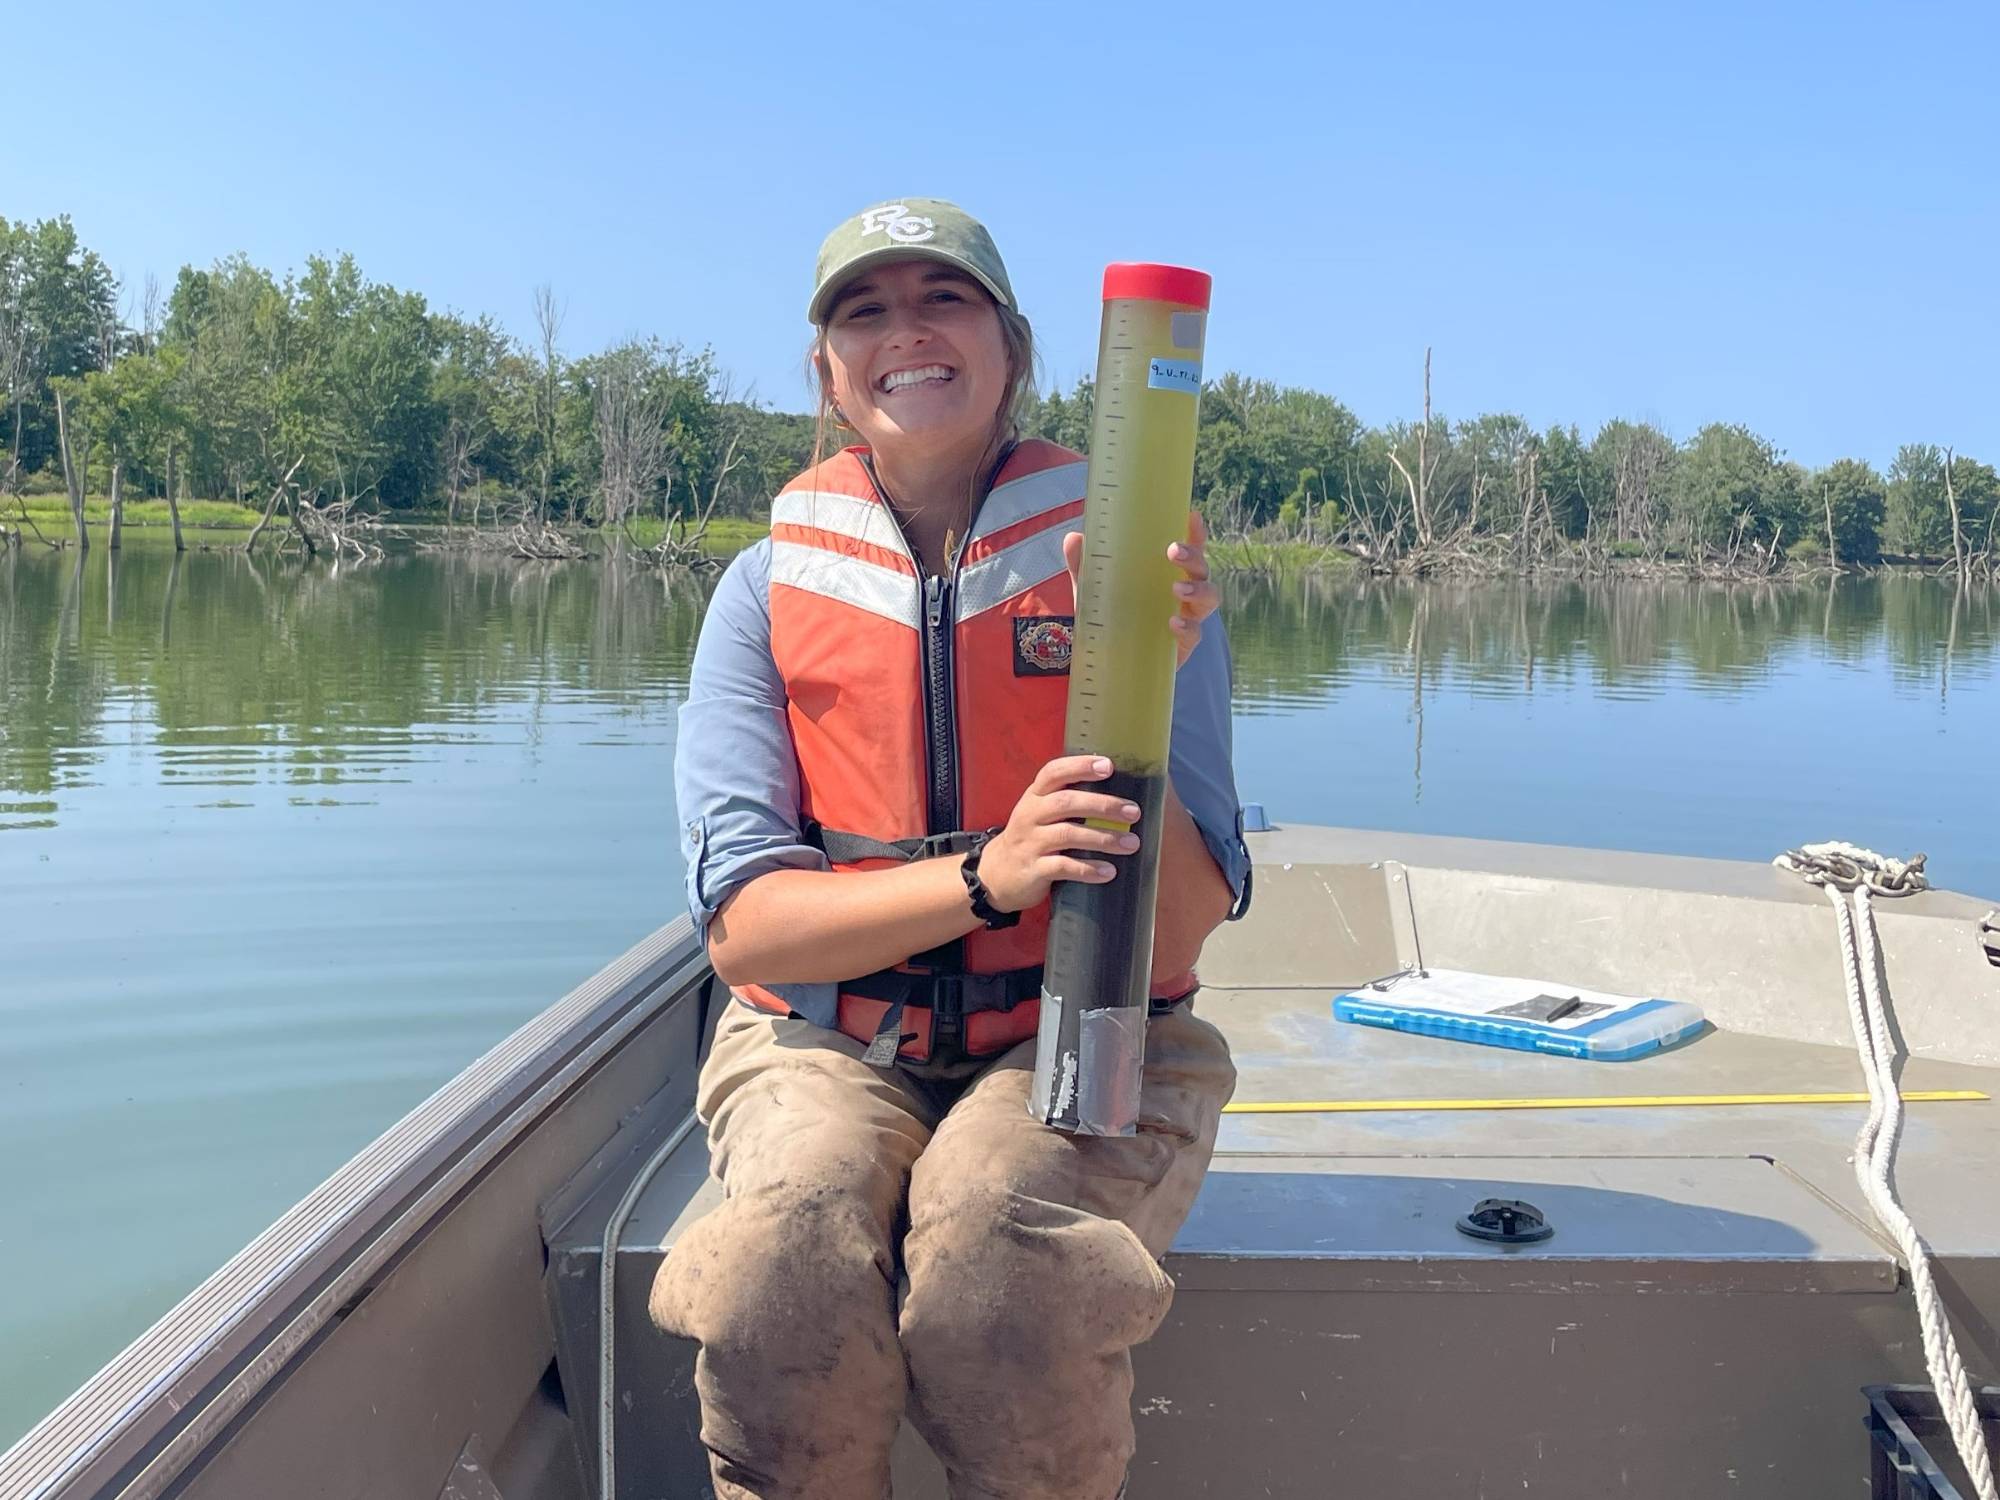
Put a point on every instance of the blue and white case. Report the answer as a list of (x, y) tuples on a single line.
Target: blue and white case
[(1493, 1010)]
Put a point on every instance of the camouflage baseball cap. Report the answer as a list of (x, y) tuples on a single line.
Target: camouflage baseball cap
[(907, 229)]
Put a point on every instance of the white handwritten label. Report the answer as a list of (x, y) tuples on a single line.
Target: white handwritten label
[(1175, 375)]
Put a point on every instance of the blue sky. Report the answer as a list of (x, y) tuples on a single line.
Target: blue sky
[(1786, 214)]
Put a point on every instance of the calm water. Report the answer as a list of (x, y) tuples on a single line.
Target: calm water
[(281, 850)]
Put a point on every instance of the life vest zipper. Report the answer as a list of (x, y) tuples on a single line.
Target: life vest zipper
[(934, 595), (940, 718)]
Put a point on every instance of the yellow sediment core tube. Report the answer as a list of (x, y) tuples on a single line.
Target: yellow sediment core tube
[(1121, 689)]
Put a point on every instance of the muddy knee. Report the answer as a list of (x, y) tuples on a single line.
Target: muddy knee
[(780, 1273), (999, 1278), (801, 1380)]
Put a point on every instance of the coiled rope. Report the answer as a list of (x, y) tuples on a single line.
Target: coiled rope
[(1851, 877)]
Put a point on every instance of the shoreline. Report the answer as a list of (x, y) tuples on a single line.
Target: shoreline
[(223, 523)]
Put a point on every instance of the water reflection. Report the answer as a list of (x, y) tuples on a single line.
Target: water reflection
[(1297, 640), (1673, 716), (239, 669), (234, 671)]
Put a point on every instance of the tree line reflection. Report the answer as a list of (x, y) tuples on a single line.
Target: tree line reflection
[(1296, 639), (238, 669)]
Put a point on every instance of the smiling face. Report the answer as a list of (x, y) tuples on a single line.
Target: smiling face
[(917, 361)]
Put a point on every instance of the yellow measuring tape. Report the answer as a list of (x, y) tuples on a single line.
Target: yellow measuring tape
[(1608, 1101)]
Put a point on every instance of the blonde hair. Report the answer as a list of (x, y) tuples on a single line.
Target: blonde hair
[(1015, 402)]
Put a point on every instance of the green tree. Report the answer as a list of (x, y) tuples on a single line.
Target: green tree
[(361, 406), (1574, 485), (1916, 520), (1852, 493), (58, 320), (1259, 445), (234, 327), (471, 385), (1066, 419), (1729, 487)]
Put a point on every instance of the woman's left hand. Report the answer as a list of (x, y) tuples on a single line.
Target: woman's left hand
[(1196, 591)]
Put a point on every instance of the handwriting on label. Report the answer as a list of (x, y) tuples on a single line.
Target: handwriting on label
[(1175, 375)]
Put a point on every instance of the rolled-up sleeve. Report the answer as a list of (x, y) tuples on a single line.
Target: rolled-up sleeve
[(736, 775), (1201, 763)]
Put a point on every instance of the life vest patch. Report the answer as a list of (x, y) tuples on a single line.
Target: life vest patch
[(1042, 645)]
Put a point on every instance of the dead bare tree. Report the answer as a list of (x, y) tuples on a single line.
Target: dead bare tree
[(116, 538), (631, 417), (277, 493), (462, 438), (1961, 560), (1372, 536), (72, 479), (340, 528), (1419, 484), (548, 323), (27, 519), (681, 545), (173, 498), (149, 314), (14, 360)]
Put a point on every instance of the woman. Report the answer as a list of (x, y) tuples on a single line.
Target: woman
[(887, 672)]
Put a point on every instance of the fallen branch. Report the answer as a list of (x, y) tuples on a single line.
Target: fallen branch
[(250, 542)]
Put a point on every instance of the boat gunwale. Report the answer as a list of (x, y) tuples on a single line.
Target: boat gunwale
[(146, 1414)]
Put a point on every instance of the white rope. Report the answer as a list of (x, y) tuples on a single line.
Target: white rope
[(1842, 866), (1850, 875)]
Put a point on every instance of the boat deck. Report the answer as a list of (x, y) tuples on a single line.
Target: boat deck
[(1700, 1253), (1715, 1293), (1288, 1047)]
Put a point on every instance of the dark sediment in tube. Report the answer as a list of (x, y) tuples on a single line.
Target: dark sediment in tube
[(1091, 1048)]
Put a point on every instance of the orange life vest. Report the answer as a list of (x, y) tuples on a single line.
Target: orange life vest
[(921, 707)]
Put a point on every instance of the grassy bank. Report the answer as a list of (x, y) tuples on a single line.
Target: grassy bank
[(724, 534), (1243, 555), (51, 513)]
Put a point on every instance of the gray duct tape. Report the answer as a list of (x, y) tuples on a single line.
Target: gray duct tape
[(1055, 1069), (1111, 1061)]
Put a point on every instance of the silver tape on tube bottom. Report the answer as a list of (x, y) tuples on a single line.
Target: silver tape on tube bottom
[(1053, 1091), (1111, 1063), (1090, 1085)]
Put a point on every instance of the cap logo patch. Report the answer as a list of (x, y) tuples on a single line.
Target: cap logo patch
[(899, 224), (1042, 645)]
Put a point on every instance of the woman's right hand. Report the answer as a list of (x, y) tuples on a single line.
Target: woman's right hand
[(1043, 842)]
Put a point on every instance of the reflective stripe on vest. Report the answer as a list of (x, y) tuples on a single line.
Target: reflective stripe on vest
[(847, 635)]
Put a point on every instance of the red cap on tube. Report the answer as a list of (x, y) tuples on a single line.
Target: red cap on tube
[(1157, 283)]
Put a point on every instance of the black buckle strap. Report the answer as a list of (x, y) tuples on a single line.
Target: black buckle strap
[(949, 997), (844, 848), (888, 1038), (952, 995)]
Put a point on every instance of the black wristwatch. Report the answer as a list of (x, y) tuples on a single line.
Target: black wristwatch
[(982, 899)]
